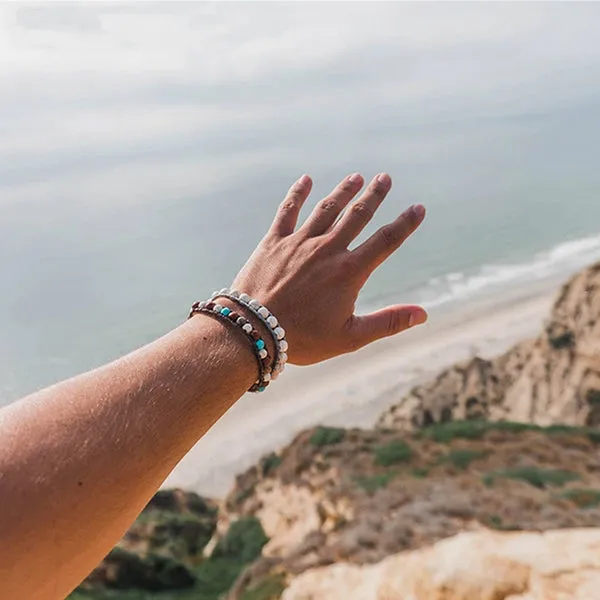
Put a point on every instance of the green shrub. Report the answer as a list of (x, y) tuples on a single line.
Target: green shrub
[(488, 480), (535, 476), (593, 396), (474, 430), (446, 432), (243, 542), (270, 588), (395, 452), (240, 546), (419, 472), (324, 436), (269, 463), (562, 340), (461, 458), (495, 522), (375, 482), (583, 498), (594, 436)]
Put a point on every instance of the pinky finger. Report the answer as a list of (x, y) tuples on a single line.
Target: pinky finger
[(289, 210)]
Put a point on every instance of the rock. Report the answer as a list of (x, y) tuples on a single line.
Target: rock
[(161, 547), (485, 565), (552, 379)]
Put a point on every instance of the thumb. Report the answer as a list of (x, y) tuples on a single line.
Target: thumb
[(386, 322)]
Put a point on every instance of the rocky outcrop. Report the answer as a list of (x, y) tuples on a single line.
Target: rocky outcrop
[(356, 496), (552, 379), (484, 565)]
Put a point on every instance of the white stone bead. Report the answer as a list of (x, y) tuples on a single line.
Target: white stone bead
[(254, 304), (234, 294), (279, 332), (247, 327), (274, 375), (224, 291), (240, 321), (215, 293), (283, 345), (267, 377), (272, 321), (263, 312), (262, 353), (217, 308), (283, 357), (201, 305), (245, 298)]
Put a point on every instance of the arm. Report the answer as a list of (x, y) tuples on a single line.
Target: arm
[(79, 460)]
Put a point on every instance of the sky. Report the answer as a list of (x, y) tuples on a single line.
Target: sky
[(105, 104)]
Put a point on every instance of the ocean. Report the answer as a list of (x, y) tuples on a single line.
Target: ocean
[(142, 193)]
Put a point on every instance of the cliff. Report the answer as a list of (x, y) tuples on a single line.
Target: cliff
[(554, 378), (554, 565), (356, 496)]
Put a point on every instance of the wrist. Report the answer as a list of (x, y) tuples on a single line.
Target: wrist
[(224, 348)]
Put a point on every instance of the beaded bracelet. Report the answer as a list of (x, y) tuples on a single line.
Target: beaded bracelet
[(268, 319), (258, 344)]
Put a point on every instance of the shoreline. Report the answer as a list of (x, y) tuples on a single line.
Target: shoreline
[(353, 390)]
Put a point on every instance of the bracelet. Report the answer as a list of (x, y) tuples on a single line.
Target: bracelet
[(258, 344), (268, 319)]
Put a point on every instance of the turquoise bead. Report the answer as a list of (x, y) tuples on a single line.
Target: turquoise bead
[(225, 311), (262, 388), (260, 344)]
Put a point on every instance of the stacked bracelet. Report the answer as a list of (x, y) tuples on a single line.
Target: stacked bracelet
[(270, 321), (258, 344)]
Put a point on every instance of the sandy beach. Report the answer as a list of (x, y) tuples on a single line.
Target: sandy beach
[(353, 390)]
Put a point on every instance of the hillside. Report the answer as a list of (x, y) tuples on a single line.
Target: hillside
[(554, 378)]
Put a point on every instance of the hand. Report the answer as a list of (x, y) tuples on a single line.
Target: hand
[(310, 280)]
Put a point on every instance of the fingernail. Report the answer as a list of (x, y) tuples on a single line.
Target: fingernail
[(384, 178), (418, 211), (355, 178), (417, 317), (303, 180)]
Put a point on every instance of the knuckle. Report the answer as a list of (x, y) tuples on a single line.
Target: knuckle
[(394, 323), (361, 210), (352, 268), (328, 205), (353, 339), (291, 203), (379, 190), (389, 236)]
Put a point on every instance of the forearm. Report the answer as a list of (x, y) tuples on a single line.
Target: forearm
[(79, 460)]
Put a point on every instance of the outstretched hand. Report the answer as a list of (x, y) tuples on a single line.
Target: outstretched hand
[(310, 279)]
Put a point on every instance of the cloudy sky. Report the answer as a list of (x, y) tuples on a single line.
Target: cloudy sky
[(107, 93)]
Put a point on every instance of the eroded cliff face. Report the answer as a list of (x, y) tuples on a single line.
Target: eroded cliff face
[(554, 378), (358, 496), (484, 565)]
